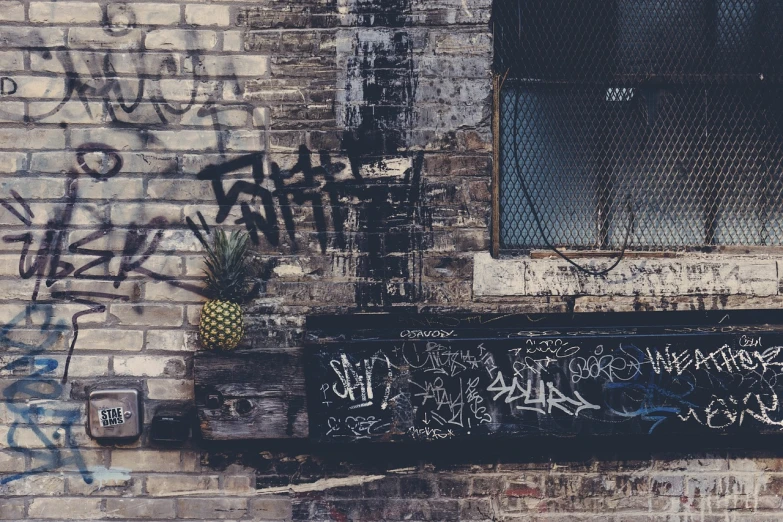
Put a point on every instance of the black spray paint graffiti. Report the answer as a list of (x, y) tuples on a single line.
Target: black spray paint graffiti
[(386, 214), (49, 263)]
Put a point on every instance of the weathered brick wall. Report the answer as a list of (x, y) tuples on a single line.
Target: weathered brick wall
[(352, 139)]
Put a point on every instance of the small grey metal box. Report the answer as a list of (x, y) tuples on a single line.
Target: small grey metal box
[(114, 414)]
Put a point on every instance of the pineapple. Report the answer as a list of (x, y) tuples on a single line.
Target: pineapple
[(226, 276)]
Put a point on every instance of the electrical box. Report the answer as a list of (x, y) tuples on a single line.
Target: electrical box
[(114, 414)]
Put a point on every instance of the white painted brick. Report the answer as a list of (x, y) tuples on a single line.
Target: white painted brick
[(163, 291), (166, 485), (170, 389), (180, 190), (11, 162), (231, 65), (97, 38), (180, 39), (132, 162), (81, 365), (186, 90), (105, 339), (76, 508), (246, 140), (11, 60), (11, 12), (11, 461), (118, 139), (24, 37), (169, 266), (497, 277), (147, 460), (33, 188), (32, 138), (225, 116), (90, 188), (143, 14), (150, 366), (65, 12), (210, 14), (233, 41), (43, 485), (170, 340), (63, 313), (39, 87), (147, 315), (126, 213), (205, 140), (12, 111), (85, 63), (72, 112)]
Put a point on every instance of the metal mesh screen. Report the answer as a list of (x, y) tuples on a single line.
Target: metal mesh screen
[(649, 124)]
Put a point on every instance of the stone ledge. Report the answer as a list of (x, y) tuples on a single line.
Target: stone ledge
[(696, 274)]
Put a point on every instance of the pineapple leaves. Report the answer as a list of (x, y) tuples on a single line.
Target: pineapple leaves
[(226, 273)]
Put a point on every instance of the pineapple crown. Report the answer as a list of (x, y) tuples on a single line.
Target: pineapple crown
[(226, 272)]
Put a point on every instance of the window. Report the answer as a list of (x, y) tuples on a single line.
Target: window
[(646, 124)]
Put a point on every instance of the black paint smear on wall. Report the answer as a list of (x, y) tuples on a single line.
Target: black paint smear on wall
[(383, 70), (378, 126)]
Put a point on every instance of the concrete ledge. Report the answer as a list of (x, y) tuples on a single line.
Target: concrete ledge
[(698, 274)]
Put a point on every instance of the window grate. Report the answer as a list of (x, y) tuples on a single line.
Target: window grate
[(646, 124)]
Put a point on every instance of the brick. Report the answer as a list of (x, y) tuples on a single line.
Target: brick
[(11, 60), (38, 87), (11, 508), (11, 461), (24, 37), (105, 339), (170, 340), (111, 483), (65, 12), (140, 508), (225, 116), (11, 162), (180, 39), (163, 291), (230, 65), (147, 315), (81, 365), (215, 508), (62, 314), (11, 12), (165, 485), (233, 41), (126, 213), (45, 485), (147, 460), (72, 112), (180, 190), (76, 508), (117, 189), (170, 389), (143, 14), (271, 508), (203, 15), (184, 140), (32, 139), (150, 366), (97, 38)]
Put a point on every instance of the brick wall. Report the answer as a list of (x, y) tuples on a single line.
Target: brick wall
[(352, 139)]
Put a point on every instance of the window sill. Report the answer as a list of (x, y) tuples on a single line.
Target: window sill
[(750, 273)]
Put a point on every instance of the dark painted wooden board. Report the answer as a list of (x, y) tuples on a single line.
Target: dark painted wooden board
[(376, 377), (251, 395)]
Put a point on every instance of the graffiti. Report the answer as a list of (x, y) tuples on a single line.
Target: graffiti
[(387, 218), (29, 398), (7, 86)]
